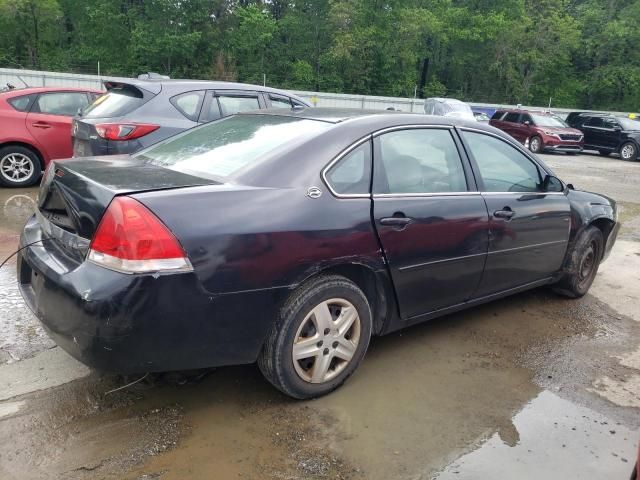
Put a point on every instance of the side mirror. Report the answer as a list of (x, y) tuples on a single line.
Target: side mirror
[(552, 184), (527, 123), (617, 128)]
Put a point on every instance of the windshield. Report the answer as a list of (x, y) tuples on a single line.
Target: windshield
[(628, 124), (222, 148), (547, 121)]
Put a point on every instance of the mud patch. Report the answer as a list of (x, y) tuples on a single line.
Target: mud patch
[(77, 432)]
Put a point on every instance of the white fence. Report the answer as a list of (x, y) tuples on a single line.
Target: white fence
[(33, 78)]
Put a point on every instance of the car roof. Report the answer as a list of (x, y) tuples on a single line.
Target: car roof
[(521, 110), (16, 92), (384, 118), (445, 100), (156, 85)]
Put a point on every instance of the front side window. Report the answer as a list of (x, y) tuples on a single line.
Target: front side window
[(419, 161), (61, 103), (221, 149), (279, 102), (352, 173), (497, 115), (502, 167), (230, 104), (610, 123)]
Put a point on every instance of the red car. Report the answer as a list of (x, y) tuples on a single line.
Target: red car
[(543, 130), (35, 127)]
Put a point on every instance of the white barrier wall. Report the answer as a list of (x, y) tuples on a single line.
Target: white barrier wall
[(33, 78)]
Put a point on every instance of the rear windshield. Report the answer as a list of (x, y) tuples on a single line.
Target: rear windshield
[(221, 149), (115, 103)]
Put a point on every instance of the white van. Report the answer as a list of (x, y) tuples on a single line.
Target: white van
[(448, 107)]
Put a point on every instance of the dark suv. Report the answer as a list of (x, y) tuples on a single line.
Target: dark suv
[(609, 134), (135, 114), (542, 130)]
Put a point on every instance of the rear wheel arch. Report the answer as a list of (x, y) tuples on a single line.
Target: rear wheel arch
[(375, 288)]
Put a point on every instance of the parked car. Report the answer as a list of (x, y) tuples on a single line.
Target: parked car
[(609, 134), (263, 236), (35, 127), (136, 114), (448, 107), (542, 130)]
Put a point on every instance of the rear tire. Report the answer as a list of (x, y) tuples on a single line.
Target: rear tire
[(582, 265), (319, 338), (536, 145), (19, 166)]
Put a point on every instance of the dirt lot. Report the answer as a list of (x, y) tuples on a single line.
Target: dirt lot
[(533, 386)]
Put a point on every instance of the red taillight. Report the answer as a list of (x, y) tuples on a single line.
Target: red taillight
[(131, 239), (124, 131)]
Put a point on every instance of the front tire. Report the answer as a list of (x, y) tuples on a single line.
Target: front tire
[(536, 145), (582, 265), (19, 166), (628, 151), (319, 339)]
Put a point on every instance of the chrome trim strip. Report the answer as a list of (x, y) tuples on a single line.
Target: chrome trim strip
[(66, 238), (522, 194), (506, 250), (434, 194), (410, 127), (444, 260)]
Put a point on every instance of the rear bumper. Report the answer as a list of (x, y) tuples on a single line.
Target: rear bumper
[(140, 323)]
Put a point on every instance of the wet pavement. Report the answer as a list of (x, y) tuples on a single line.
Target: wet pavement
[(527, 387)]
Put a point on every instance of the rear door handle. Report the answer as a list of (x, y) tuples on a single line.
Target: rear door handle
[(505, 213), (41, 125), (395, 221)]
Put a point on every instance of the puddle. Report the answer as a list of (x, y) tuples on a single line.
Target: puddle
[(556, 439)]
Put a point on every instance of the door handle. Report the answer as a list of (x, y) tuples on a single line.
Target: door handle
[(505, 213), (41, 125), (395, 221)]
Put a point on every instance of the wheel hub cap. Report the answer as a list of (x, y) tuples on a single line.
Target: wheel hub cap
[(627, 152), (326, 341), (16, 167)]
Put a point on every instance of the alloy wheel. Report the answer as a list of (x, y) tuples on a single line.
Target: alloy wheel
[(326, 340), (16, 167), (535, 144), (628, 151)]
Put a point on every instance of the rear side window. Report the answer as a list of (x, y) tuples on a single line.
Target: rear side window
[(512, 117), (117, 102), (188, 104), (352, 173), (497, 116), (61, 103), (502, 167), (223, 148), (419, 161), (230, 104), (22, 103), (594, 122)]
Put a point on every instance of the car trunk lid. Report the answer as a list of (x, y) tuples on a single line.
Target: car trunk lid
[(75, 193)]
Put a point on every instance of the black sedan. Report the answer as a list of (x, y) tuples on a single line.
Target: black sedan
[(291, 237)]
